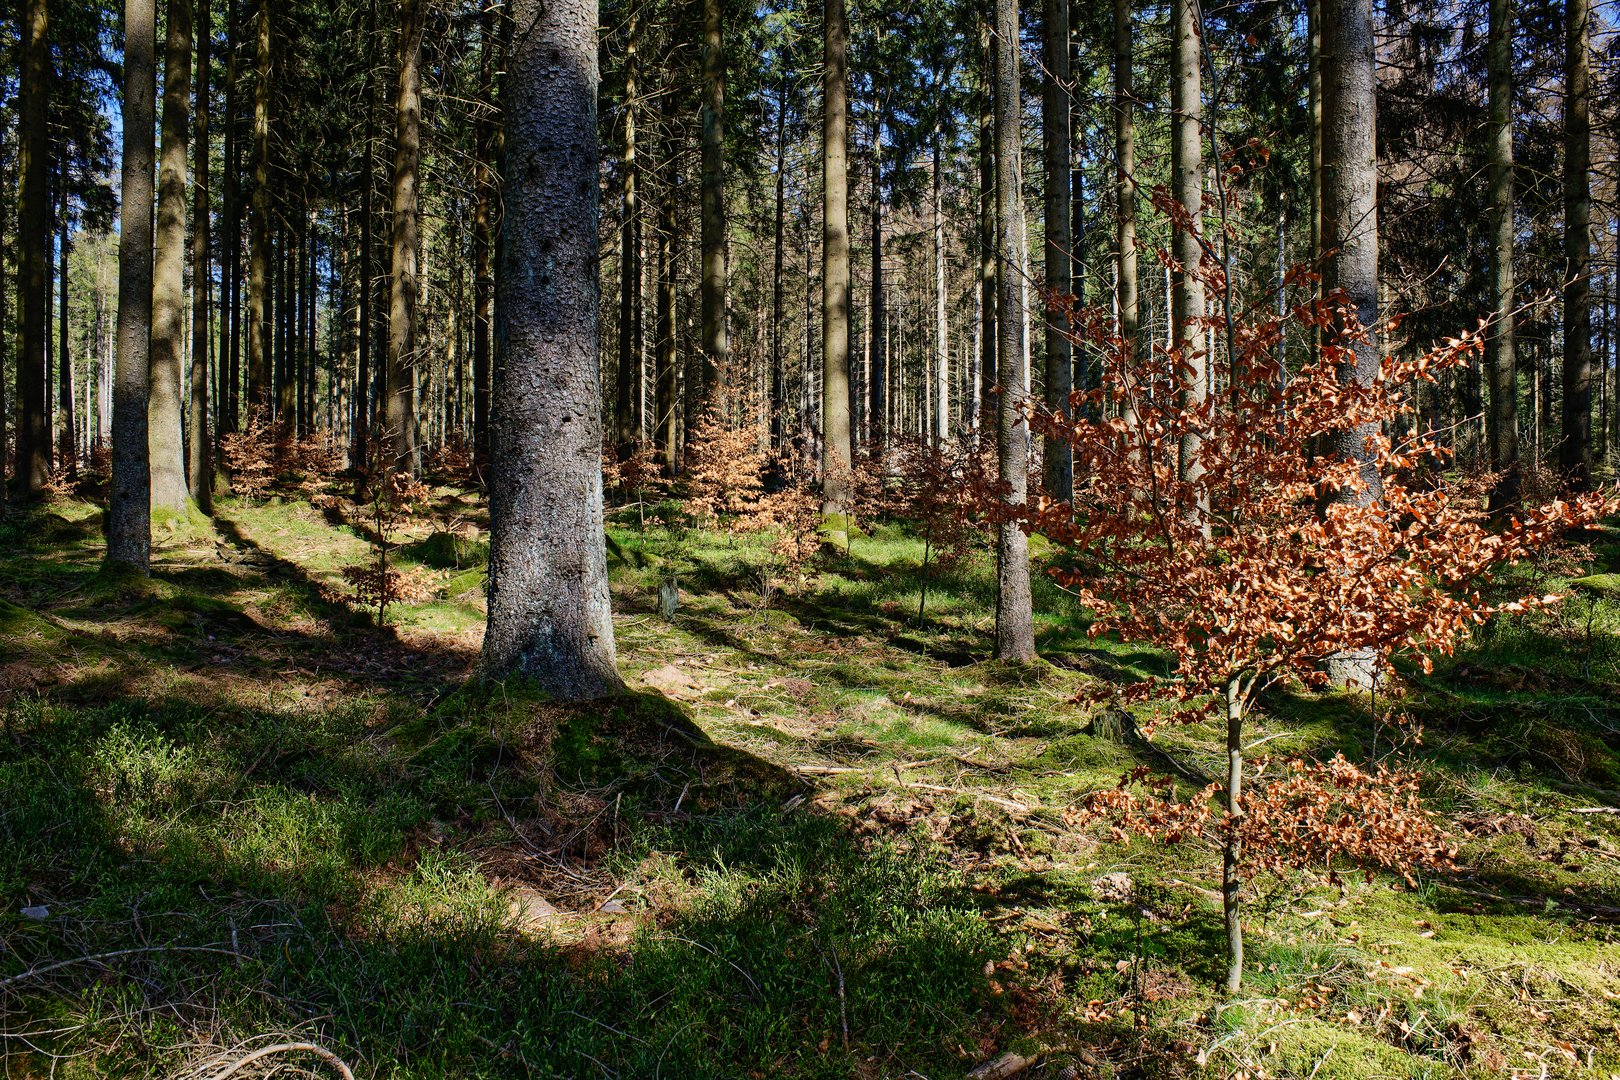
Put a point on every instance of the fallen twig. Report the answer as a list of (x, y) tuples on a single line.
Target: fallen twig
[(286, 1048), (95, 958)]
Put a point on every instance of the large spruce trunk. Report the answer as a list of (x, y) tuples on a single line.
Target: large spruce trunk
[(165, 408), (549, 617), (836, 456)]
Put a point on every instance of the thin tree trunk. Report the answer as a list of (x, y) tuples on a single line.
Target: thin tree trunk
[(715, 285), (199, 464), (549, 615), (67, 456), (877, 321), (1125, 174), (1187, 188), (1501, 368), (1057, 456), (836, 450), (985, 406), (364, 405), (942, 346), (400, 401), (33, 465), (1350, 231), (129, 507), (624, 411), (1576, 445), (778, 418), (166, 408), (1015, 628), (1232, 848), (258, 304)]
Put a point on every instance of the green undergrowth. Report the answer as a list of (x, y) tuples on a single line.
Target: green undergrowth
[(819, 837)]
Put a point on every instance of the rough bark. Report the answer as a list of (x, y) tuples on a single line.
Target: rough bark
[(67, 432), (1187, 188), (878, 319), (258, 313), (1350, 233), (942, 347), (628, 381), (400, 404), (1057, 457), (33, 464), (1575, 447), (1501, 368), (549, 617), (985, 406), (129, 508), (715, 286), (836, 451), (1232, 847), (1015, 628), (165, 406), (199, 461), (778, 417), (1125, 173)]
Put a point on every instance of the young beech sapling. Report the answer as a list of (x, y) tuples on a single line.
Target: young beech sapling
[(1246, 573)]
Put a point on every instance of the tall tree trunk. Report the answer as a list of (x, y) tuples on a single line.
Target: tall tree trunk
[(625, 386), (1501, 368), (364, 405), (549, 616), (1575, 448), (1015, 628), (836, 451), (67, 444), (1125, 175), (199, 463), (404, 237), (1187, 188), (778, 418), (1350, 232), (1055, 88), (129, 506), (942, 347), (166, 408), (231, 261), (33, 467), (985, 406), (715, 286), (258, 313), (665, 372), (877, 321)]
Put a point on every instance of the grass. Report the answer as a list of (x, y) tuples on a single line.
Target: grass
[(819, 840)]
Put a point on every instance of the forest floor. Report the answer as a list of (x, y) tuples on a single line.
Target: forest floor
[(818, 840)]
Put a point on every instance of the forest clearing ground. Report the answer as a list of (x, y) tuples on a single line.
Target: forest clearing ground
[(867, 871)]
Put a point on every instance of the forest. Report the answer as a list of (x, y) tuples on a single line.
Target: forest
[(939, 538)]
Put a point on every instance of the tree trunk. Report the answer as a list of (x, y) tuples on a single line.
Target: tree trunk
[(836, 451), (1232, 848), (715, 344), (778, 417), (258, 375), (1055, 89), (1501, 368), (33, 466), (400, 404), (199, 462), (1575, 448), (231, 266), (942, 347), (364, 405), (1015, 628), (549, 616), (165, 408), (1350, 231), (629, 373), (67, 443), (129, 507), (1187, 188), (985, 406), (1125, 176), (878, 320)]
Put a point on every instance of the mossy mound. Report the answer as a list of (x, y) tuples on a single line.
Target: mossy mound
[(448, 551)]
